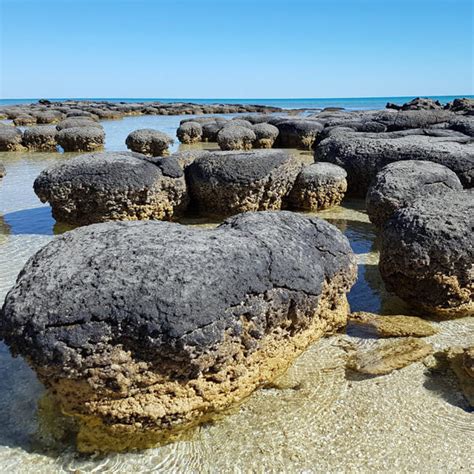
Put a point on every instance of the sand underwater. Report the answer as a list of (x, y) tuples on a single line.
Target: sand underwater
[(316, 417)]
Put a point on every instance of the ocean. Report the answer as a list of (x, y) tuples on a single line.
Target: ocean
[(350, 103)]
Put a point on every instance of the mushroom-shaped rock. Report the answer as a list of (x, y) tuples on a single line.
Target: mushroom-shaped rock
[(100, 187), (400, 183), (74, 122), (298, 133), (266, 135), (10, 139), (142, 329), (40, 138), (363, 155), (235, 137), (318, 186), (24, 120), (81, 138), (427, 254), (225, 183), (149, 142), (189, 132)]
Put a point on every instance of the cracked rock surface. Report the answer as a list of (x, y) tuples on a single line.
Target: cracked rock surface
[(143, 328), (400, 183), (226, 183), (427, 256), (99, 187)]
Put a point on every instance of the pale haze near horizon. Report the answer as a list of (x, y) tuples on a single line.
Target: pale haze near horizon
[(235, 48)]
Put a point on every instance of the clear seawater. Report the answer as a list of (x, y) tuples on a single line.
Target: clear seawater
[(350, 103), (315, 418)]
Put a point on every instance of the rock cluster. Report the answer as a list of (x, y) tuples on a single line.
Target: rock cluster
[(133, 365), (100, 187)]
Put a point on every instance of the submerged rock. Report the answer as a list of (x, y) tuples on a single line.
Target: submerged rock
[(236, 137), (41, 138), (236, 305), (149, 142), (390, 356), (81, 138), (10, 139), (427, 254), (226, 183), (100, 187), (393, 325), (399, 184), (318, 186)]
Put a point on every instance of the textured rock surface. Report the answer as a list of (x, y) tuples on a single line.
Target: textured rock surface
[(461, 361), (41, 138), (99, 187), (236, 137), (266, 135), (393, 325), (149, 142), (24, 120), (81, 138), (400, 183), (226, 183), (390, 356), (318, 186), (74, 122), (235, 306), (364, 155), (427, 254), (189, 132), (10, 139), (297, 133)]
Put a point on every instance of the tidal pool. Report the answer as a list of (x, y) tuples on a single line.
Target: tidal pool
[(316, 417)]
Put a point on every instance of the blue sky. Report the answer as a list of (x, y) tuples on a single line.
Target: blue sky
[(235, 48)]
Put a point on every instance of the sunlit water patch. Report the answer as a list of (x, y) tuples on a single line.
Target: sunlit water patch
[(314, 418)]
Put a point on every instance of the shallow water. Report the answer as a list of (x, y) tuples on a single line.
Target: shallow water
[(316, 417)]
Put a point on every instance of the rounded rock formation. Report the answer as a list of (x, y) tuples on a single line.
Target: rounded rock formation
[(189, 132), (427, 255), (236, 137), (10, 139), (40, 138), (266, 135), (226, 183), (144, 329), (318, 186), (74, 122), (100, 187), (81, 138), (400, 183), (297, 133), (149, 142)]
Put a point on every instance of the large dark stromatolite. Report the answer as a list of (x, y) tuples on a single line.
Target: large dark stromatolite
[(142, 329)]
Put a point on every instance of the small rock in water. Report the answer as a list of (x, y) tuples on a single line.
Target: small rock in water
[(393, 326), (390, 356)]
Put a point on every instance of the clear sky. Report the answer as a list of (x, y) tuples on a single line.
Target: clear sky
[(235, 48)]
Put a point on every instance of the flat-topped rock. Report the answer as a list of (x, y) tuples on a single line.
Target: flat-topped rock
[(40, 138), (236, 137), (296, 132), (74, 122), (265, 134), (427, 254), (100, 187), (149, 142), (399, 184), (81, 138), (236, 305), (363, 155), (318, 186), (226, 183), (10, 139)]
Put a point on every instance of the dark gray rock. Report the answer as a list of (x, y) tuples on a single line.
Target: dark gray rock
[(40, 138), (24, 120), (149, 142), (48, 116), (266, 135), (100, 187), (398, 184), (189, 132), (210, 131), (74, 122), (225, 183), (318, 186), (364, 155), (235, 137), (237, 121), (462, 124), (297, 133), (153, 325), (422, 103), (461, 106), (81, 138), (406, 119), (10, 139), (427, 254)]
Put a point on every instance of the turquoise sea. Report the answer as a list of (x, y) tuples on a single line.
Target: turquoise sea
[(351, 103)]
